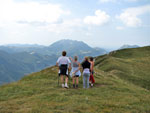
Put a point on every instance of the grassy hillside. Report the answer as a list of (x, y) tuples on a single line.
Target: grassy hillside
[(131, 65), (121, 87)]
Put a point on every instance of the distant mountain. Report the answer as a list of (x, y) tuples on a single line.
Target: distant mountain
[(129, 46), (101, 49), (15, 48), (10, 68), (24, 45), (16, 65), (18, 60), (74, 47)]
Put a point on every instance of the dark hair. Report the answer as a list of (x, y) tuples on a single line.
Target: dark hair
[(91, 58), (64, 53)]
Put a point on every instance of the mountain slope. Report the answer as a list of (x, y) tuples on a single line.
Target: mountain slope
[(74, 47), (8, 67), (132, 65), (39, 92), (14, 66)]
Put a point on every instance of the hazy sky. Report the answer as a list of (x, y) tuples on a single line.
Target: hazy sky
[(102, 23)]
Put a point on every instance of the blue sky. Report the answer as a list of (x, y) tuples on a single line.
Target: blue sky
[(99, 23)]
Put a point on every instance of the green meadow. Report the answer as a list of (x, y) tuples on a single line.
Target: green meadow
[(122, 86)]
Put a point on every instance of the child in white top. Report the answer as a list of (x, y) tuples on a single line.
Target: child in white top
[(75, 72)]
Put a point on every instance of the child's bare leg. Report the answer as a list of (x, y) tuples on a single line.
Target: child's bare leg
[(73, 82), (77, 81)]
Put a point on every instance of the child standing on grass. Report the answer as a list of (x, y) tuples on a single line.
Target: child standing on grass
[(86, 65), (92, 81), (75, 72)]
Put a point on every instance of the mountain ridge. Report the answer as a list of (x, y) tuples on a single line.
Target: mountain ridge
[(125, 46), (48, 50)]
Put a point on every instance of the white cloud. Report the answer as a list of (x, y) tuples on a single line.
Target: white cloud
[(100, 18), (130, 15), (131, 0), (30, 11), (67, 26), (104, 1), (117, 1), (119, 28)]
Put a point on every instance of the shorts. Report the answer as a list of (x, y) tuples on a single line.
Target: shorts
[(76, 76), (63, 70)]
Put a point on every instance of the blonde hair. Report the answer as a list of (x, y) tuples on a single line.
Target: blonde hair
[(86, 58)]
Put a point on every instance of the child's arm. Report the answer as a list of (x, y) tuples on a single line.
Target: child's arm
[(92, 66), (78, 68), (71, 59)]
